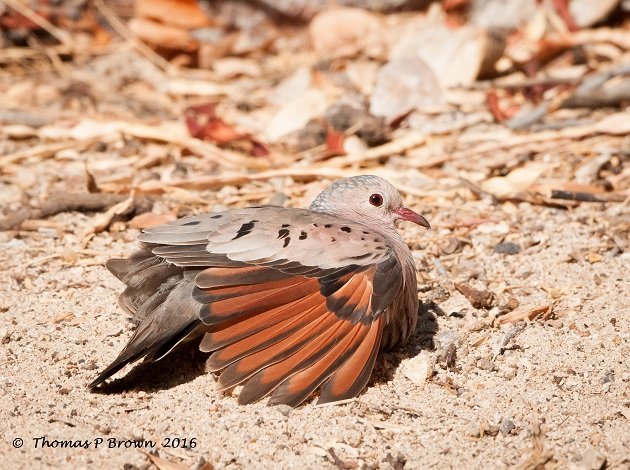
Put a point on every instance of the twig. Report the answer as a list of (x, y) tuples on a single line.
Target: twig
[(336, 403), (59, 34), (526, 313), (63, 202), (587, 197), (31, 119), (527, 83), (44, 150), (614, 124), (124, 31)]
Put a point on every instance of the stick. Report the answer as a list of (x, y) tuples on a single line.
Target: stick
[(586, 197), (122, 29), (62, 202)]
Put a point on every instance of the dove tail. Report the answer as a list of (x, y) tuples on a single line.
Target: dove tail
[(159, 297)]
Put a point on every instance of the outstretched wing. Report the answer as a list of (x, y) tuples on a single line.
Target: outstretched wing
[(292, 299)]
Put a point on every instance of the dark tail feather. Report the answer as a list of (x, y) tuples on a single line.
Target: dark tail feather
[(159, 295), (132, 353)]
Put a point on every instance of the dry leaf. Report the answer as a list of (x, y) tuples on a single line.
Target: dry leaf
[(162, 35), (295, 114), (150, 219), (524, 313), (163, 464), (102, 221), (343, 32), (456, 56), (516, 181), (184, 14), (402, 85)]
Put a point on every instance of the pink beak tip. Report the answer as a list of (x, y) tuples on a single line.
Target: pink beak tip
[(407, 214)]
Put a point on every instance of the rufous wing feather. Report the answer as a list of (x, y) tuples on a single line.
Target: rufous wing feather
[(284, 336)]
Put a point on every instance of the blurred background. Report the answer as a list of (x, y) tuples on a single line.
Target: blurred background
[(505, 122)]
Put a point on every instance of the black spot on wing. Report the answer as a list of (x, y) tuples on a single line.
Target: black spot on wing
[(285, 225), (346, 229), (218, 216), (303, 235), (328, 225), (192, 222), (286, 242), (282, 233), (245, 229), (360, 257)]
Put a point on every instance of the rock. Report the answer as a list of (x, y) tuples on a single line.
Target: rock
[(284, 410), (507, 426), (507, 248), (446, 344), (485, 364), (343, 116), (593, 459), (418, 369)]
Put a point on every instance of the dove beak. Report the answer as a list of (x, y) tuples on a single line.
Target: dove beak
[(407, 214)]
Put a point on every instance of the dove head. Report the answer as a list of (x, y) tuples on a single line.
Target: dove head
[(369, 200)]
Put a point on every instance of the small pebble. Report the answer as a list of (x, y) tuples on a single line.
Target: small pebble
[(284, 410), (507, 426), (507, 248), (485, 364)]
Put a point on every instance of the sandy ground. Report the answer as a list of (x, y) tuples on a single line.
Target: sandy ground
[(553, 392)]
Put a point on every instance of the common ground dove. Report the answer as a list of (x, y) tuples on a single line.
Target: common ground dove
[(285, 299)]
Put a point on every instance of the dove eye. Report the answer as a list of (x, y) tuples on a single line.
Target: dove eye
[(376, 200)]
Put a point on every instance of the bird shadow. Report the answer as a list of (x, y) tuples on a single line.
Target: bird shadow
[(187, 362), (420, 340), (181, 365)]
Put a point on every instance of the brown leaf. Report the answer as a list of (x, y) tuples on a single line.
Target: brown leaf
[(334, 143), (185, 14), (203, 123), (162, 35), (150, 219), (163, 464), (477, 298)]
